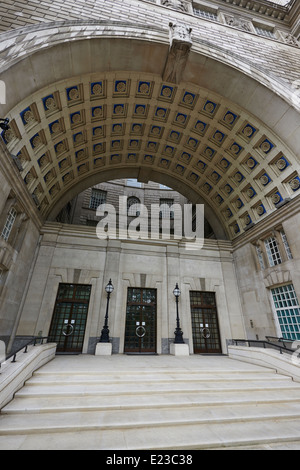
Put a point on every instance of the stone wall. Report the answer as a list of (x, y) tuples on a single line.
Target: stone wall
[(278, 56), (255, 282), (72, 255), (16, 252)]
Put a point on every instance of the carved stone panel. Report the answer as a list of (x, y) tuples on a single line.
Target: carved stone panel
[(180, 46)]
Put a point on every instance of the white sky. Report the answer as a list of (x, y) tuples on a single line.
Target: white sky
[(280, 2)]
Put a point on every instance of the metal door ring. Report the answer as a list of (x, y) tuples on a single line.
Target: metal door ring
[(72, 328), (143, 331), (205, 335)]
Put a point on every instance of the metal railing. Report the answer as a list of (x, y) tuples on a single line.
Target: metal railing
[(280, 344), (34, 341)]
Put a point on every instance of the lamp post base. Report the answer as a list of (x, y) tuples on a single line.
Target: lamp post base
[(179, 349), (103, 349), (178, 336)]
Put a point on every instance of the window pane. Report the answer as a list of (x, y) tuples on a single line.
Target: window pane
[(97, 197), (131, 206), (165, 211), (265, 32), (272, 250), (287, 312), (9, 223), (205, 14)]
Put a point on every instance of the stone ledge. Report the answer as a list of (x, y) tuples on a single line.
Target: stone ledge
[(270, 358), (14, 375)]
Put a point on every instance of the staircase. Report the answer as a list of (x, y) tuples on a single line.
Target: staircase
[(152, 402)]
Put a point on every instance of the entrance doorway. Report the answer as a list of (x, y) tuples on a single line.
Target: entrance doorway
[(69, 318), (206, 335), (140, 329)]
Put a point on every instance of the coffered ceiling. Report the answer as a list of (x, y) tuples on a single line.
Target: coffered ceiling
[(110, 125)]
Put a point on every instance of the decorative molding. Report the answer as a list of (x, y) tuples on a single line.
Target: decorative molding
[(239, 22), (263, 7), (180, 5), (277, 277)]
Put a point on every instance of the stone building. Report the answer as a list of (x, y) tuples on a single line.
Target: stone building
[(202, 97)]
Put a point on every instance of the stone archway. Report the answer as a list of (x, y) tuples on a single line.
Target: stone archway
[(87, 102), (83, 130)]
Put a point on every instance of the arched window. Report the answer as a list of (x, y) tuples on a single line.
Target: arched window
[(132, 211), (9, 223)]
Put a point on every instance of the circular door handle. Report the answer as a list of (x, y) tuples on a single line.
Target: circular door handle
[(140, 331), (205, 333), (66, 333)]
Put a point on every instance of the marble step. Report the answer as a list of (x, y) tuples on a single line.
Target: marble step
[(238, 434), (137, 388), (44, 372), (66, 408), (54, 379), (48, 403), (144, 418)]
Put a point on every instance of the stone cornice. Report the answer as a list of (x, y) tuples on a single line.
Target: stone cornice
[(56, 234), (262, 7), (269, 223)]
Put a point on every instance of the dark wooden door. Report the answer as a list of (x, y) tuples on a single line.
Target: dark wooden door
[(140, 329), (206, 334), (69, 318)]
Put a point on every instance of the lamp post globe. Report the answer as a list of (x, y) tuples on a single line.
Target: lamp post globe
[(109, 287)]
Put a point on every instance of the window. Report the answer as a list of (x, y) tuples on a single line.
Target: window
[(265, 32), (9, 223), (69, 318), (205, 14), (286, 245), (205, 325), (165, 211), (272, 250), (97, 197), (287, 311), (131, 211)]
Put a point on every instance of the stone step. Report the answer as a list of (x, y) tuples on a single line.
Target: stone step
[(137, 388), (239, 434), (63, 407), (53, 379), (141, 418), (154, 372), (98, 402)]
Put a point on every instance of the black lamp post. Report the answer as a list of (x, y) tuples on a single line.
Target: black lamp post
[(4, 124), (105, 331), (178, 332)]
